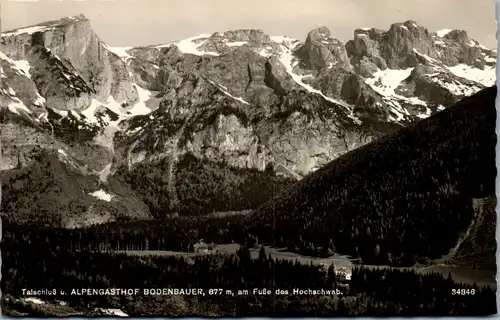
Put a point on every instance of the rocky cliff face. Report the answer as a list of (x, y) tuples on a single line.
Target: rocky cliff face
[(241, 97), (321, 50), (59, 76)]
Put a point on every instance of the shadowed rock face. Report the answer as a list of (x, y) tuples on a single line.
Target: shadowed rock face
[(58, 80), (321, 50)]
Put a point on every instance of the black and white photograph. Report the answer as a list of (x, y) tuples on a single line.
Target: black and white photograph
[(237, 158)]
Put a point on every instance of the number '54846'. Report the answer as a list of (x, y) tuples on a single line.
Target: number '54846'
[(463, 292)]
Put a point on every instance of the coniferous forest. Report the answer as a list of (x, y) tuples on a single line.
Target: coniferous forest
[(370, 291)]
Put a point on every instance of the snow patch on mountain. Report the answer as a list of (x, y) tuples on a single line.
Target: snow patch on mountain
[(89, 113), (426, 57), (45, 117), (8, 91), (71, 78), (286, 41), (441, 33), (289, 62), (47, 26), (440, 43), (27, 30), (17, 105), (226, 92), (236, 43), (121, 52), (486, 77), (114, 106), (62, 152), (140, 107), (490, 60), (75, 114), (427, 114), (264, 52), (472, 43), (39, 101), (190, 45), (62, 113), (486, 48), (22, 66), (453, 86), (64, 157), (102, 195), (96, 113), (396, 110), (386, 81)]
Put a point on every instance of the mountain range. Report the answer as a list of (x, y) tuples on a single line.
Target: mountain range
[(216, 122)]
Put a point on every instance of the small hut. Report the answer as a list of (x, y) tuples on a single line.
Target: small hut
[(200, 247)]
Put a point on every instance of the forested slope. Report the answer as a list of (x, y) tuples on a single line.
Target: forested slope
[(404, 196)]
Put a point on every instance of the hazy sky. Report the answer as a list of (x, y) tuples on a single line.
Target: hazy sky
[(143, 22)]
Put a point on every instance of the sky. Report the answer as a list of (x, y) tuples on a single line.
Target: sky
[(146, 22)]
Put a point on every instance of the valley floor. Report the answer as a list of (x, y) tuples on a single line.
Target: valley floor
[(462, 274)]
